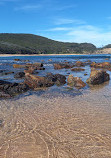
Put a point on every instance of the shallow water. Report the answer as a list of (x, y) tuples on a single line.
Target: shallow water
[(6, 63), (58, 122)]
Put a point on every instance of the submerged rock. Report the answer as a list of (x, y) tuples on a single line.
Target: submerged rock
[(79, 64), (18, 66), (19, 75), (77, 69), (62, 66), (105, 65), (21, 60), (75, 82), (98, 77)]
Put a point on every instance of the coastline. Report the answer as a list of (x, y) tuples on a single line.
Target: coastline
[(9, 55), (16, 55)]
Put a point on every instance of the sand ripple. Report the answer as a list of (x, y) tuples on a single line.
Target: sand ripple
[(38, 127)]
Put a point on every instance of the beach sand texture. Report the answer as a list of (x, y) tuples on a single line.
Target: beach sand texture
[(56, 127)]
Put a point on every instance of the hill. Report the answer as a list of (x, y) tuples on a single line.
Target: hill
[(34, 44)]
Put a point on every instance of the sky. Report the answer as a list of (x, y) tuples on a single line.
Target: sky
[(62, 20)]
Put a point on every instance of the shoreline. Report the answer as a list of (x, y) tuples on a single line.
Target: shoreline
[(8, 55), (11, 55)]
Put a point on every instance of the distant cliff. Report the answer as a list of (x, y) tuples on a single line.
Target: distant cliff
[(33, 44)]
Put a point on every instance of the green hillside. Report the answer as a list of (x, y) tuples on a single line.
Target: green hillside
[(33, 44)]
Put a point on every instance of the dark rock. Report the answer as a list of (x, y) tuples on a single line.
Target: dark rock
[(58, 79), (1, 123), (19, 75), (8, 89)]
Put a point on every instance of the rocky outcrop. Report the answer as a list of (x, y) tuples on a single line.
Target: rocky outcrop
[(77, 69), (62, 66), (75, 82), (21, 60), (34, 81), (79, 64), (4, 72), (8, 89), (18, 66), (98, 77), (58, 79), (105, 65), (19, 75)]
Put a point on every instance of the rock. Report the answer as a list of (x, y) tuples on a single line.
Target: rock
[(4, 95), (18, 66), (10, 89), (1, 123), (62, 66), (3, 72), (106, 58), (34, 65), (50, 60), (49, 80), (75, 82), (16, 59), (30, 70), (37, 81), (58, 79), (21, 60), (61, 79), (77, 69), (19, 75), (79, 64), (98, 77), (105, 65)]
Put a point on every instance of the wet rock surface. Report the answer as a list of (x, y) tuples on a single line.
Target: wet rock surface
[(98, 77), (75, 82), (8, 89), (19, 75), (62, 66), (77, 69), (49, 80)]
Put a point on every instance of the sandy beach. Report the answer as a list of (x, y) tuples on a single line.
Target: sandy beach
[(9, 55), (56, 127)]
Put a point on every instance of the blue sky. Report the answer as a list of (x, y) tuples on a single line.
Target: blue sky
[(62, 20)]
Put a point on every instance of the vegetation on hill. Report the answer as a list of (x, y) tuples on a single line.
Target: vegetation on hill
[(33, 44)]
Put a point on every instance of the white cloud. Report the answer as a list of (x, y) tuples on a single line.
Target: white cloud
[(90, 34), (63, 21), (84, 33), (29, 7), (60, 29)]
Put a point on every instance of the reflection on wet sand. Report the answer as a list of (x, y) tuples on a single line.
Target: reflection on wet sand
[(69, 127)]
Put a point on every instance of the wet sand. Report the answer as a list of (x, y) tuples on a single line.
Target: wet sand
[(56, 127), (11, 55)]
